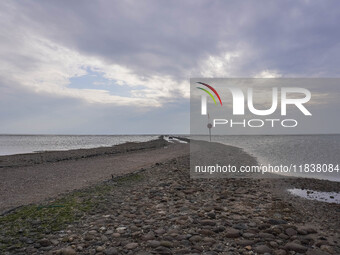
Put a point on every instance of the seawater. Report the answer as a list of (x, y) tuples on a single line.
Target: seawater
[(18, 144), (288, 149)]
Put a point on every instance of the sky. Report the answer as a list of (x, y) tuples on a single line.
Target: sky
[(124, 67)]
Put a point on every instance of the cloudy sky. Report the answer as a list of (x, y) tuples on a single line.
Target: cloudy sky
[(123, 67)]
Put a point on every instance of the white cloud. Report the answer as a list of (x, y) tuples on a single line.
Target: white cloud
[(27, 59), (268, 74), (219, 66)]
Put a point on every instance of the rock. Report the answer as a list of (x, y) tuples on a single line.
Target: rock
[(232, 233), (302, 231), (291, 232), (148, 236), (153, 243), (295, 247), (273, 244), (266, 236), (100, 248), (210, 253), (163, 250), (219, 229), (116, 235), (244, 242), (327, 248), (109, 232), (54, 242), (212, 215), (263, 249), (131, 246), (121, 229), (316, 252), (240, 226), (68, 251), (29, 241), (93, 232), (280, 252), (166, 244), (276, 222), (111, 251), (44, 242), (309, 230), (195, 239), (206, 232), (248, 235), (208, 222)]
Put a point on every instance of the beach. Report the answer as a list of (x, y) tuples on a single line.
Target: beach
[(138, 198)]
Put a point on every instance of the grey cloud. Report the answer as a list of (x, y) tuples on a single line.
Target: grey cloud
[(168, 37)]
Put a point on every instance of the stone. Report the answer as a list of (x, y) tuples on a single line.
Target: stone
[(68, 251), (280, 252), (263, 249), (100, 248), (44, 242), (166, 244), (266, 236), (195, 239), (131, 246), (277, 222), (206, 232), (327, 248), (111, 251), (121, 229), (316, 252), (153, 243), (295, 247), (116, 235), (208, 222), (291, 232), (163, 250), (232, 233), (248, 235), (148, 236)]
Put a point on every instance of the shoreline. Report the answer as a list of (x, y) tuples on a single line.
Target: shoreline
[(39, 157), (159, 209)]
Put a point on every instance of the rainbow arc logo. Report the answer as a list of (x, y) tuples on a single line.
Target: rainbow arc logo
[(212, 89)]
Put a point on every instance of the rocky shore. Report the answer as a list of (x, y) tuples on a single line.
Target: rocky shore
[(161, 210)]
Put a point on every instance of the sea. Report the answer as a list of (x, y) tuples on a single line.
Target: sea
[(19, 144), (289, 150)]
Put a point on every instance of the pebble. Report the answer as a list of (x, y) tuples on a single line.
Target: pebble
[(131, 246), (263, 249), (111, 251), (232, 233), (295, 247)]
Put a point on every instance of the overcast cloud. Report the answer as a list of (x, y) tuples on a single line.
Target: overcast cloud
[(123, 67)]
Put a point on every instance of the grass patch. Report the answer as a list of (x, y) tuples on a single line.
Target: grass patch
[(128, 179)]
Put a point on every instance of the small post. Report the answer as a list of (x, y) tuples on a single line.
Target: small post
[(209, 127)]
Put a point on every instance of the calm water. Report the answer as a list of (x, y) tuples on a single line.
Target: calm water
[(290, 149), (17, 144)]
